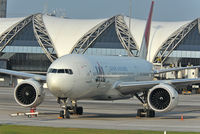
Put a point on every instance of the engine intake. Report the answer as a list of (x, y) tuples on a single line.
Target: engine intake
[(29, 93), (26, 94), (162, 98)]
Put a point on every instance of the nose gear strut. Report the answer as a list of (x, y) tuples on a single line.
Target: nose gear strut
[(69, 107)]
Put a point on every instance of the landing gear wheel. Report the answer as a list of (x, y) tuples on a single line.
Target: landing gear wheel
[(69, 107), (79, 110), (140, 113), (62, 114), (150, 113), (67, 116), (146, 112)]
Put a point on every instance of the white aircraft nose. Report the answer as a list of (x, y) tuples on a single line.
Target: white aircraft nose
[(59, 85)]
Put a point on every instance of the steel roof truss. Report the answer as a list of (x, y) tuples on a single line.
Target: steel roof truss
[(173, 41), (10, 33), (123, 34), (89, 38), (43, 37)]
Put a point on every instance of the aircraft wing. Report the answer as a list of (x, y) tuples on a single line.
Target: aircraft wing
[(133, 87), (174, 69), (23, 74)]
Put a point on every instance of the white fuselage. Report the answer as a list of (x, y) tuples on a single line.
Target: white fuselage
[(93, 77)]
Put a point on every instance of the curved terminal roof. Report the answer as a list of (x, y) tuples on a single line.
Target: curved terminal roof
[(65, 33), (160, 31), (6, 23)]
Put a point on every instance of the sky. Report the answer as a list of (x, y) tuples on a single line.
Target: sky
[(164, 10)]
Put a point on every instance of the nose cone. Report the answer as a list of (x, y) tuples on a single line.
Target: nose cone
[(59, 85)]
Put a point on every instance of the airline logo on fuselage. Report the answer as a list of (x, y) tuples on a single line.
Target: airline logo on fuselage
[(100, 73)]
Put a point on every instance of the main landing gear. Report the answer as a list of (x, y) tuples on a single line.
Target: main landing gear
[(69, 107), (146, 112)]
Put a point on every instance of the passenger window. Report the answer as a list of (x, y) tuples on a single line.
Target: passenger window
[(61, 71)]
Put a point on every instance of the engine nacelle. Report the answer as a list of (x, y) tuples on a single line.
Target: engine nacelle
[(29, 93), (162, 98)]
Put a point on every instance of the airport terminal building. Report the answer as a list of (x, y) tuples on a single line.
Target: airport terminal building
[(31, 43)]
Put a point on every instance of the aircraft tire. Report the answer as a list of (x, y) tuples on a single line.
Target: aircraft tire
[(150, 113), (62, 114), (79, 110), (140, 113), (67, 116)]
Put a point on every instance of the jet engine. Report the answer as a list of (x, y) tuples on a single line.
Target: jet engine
[(162, 98), (29, 93)]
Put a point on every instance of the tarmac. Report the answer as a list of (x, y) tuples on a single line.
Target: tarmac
[(120, 114)]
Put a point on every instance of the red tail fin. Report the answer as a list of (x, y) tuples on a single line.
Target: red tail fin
[(145, 40)]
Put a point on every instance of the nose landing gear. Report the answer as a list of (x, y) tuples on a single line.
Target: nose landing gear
[(64, 114), (69, 107)]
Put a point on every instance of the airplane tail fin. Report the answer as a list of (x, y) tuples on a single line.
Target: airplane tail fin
[(145, 40)]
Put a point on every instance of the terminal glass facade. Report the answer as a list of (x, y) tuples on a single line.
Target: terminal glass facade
[(187, 50), (107, 43), (24, 52)]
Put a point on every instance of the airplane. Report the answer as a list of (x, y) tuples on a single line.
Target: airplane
[(74, 77)]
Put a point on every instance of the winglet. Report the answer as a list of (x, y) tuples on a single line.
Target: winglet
[(145, 39)]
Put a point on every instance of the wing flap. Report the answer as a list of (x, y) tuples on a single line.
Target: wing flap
[(133, 87)]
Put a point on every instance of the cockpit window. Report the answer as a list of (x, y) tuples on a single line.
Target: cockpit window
[(67, 71), (61, 71), (51, 70), (70, 71), (54, 70)]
